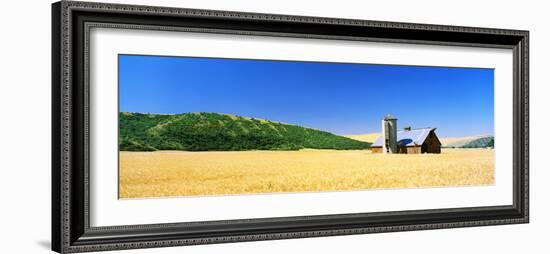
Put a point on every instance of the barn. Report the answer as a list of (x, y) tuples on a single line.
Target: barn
[(408, 140)]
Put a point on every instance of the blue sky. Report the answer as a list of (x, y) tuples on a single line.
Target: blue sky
[(342, 98)]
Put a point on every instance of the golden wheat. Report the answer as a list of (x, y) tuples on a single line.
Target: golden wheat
[(177, 173)]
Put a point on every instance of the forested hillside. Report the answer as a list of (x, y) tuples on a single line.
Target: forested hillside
[(221, 132)]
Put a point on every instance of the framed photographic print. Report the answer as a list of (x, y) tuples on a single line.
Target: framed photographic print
[(181, 126)]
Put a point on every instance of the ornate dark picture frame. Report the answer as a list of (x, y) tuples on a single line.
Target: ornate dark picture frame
[(71, 22)]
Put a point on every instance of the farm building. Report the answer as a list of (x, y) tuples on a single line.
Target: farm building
[(408, 140)]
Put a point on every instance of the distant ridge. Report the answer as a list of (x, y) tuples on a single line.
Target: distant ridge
[(469, 142), (369, 137), (221, 132), (457, 142)]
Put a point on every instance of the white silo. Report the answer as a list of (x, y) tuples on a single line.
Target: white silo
[(389, 130)]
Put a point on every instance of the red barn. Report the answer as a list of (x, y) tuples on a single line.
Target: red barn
[(408, 140)]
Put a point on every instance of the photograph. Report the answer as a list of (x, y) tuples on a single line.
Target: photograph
[(239, 125), (197, 126)]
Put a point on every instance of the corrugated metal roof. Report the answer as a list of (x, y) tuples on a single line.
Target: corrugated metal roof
[(413, 137)]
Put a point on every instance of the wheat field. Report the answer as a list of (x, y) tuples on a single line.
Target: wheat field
[(179, 173)]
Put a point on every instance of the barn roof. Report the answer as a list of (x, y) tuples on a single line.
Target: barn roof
[(414, 137)]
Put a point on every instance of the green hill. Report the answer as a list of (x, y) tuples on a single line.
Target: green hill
[(473, 142), (221, 132)]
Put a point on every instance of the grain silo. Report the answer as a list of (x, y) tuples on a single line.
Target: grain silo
[(389, 131)]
